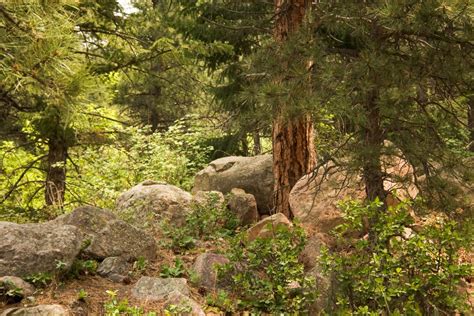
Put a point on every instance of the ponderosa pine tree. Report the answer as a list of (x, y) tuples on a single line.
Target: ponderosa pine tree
[(42, 81), (399, 76), (293, 137)]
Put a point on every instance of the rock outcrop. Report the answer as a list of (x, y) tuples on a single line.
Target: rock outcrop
[(105, 235), (205, 268), (19, 286), (252, 174), (147, 203), (157, 289), (187, 305), (27, 249), (114, 268), (266, 227), (244, 206), (40, 310)]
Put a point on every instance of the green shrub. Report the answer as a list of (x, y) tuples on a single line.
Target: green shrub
[(82, 267), (114, 307), (262, 272), (176, 271), (397, 270), (41, 279), (206, 221)]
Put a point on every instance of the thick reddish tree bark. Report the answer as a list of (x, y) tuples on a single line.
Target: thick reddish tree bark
[(292, 137)]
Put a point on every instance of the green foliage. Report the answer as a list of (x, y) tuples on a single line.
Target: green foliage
[(176, 271), (82, 295), (208, 220), (211, 219), (41, 279), (9, 292), (221, 300), (177, 310), (396, 270), (140, 265), (114, 307), (263, 271), (83, 267)]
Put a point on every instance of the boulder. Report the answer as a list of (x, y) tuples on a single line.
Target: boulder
[(148, 202), (314, 201), (183, 305), (205, 198), (265, 228), (244, 206), (27, 249), (325, 288), (40, 310), (314, 198), (252, 174), (205, 268), (156, 289), (114, 268), (19, 287), (105, 235)]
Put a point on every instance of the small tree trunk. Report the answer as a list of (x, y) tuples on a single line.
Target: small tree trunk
[(56, 171), (257, 147), (293, 157), (373, 142), (292, 138), (470, 122)]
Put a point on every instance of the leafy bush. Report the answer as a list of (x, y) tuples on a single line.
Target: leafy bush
[(206, 221), (41, 279), (265, 274), (114, 307), (176, 271), (397, 270)]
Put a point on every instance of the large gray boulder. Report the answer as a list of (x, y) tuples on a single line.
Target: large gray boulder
[(147, 203), (40, 310), (27, 249), (252, 174), (105, 235)]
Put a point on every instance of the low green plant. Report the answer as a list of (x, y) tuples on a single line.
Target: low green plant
[(221, 300), (82, 295), (10, 292), (176, 271), (140, 265), (83, 267), (177, 310), (261, 272), (208, 220), (115, 307), (181, 238), (41, 279), (211, 218), (397, 271)]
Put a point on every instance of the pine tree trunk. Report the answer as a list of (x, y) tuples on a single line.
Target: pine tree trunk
[(257, 146), (293, 157), (470, 122), (292, 138), (56, 171), (373, 142)]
